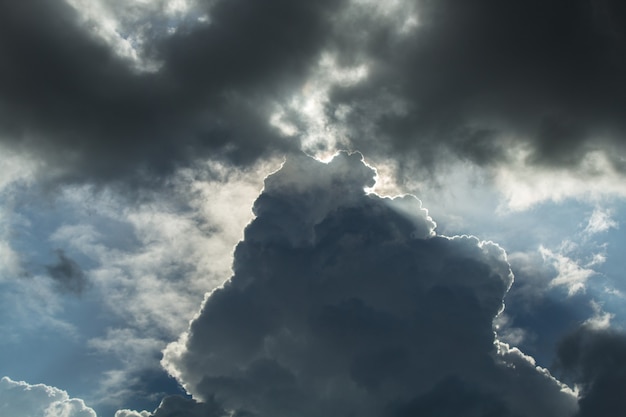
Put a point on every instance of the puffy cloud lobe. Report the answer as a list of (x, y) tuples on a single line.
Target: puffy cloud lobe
[(347, 303), (595, 359), (19, 399)]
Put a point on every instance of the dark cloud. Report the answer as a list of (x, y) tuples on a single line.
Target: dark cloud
[(67, 97), (477, 78), (595, 359), (473, 78), (176, 406), (344, 303), (67, 274)]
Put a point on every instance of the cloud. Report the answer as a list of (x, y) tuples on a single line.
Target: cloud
[(484, 79), (20, 399), (570, 274), (86, 114), (174, 406), (595, 359), (177, 406), (344, 302), (112, 91), (67, 274), (600, 221)]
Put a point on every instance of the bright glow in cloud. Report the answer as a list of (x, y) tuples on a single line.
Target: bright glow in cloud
[(125, 26), (320, 136)]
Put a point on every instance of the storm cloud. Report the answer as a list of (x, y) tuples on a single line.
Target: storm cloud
[(347, 303), (68, 98), (20, 399), (136, 134), (485, 81)]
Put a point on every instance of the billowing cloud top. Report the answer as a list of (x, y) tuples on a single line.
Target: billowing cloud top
[(67, 97), (347, 303), (19, 399)]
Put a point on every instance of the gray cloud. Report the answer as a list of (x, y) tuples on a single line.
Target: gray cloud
[(20, 399), (67, 97), (482, 78), (67, 274), (175, 406), (595, 359), (344, 303)]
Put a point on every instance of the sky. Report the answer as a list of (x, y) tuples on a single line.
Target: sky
[(305, 209)]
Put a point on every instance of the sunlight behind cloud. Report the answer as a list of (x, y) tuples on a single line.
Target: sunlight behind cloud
[(305, 114), (570, 275)]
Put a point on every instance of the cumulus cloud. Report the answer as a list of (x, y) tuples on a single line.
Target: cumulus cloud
[(20, 399), (344, 302)]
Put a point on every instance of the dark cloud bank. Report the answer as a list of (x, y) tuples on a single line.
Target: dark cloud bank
[(346, 303), (68, 98), (473, 78), (479, 77), (341, 303)]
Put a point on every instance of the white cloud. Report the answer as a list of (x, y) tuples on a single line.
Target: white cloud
[(150, 263), (304, 114), (524, 186), (570, 274), (20, 399), (600, 319), (600, 221)]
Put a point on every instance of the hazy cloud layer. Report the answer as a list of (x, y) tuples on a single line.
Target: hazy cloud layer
[(347, 303)]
